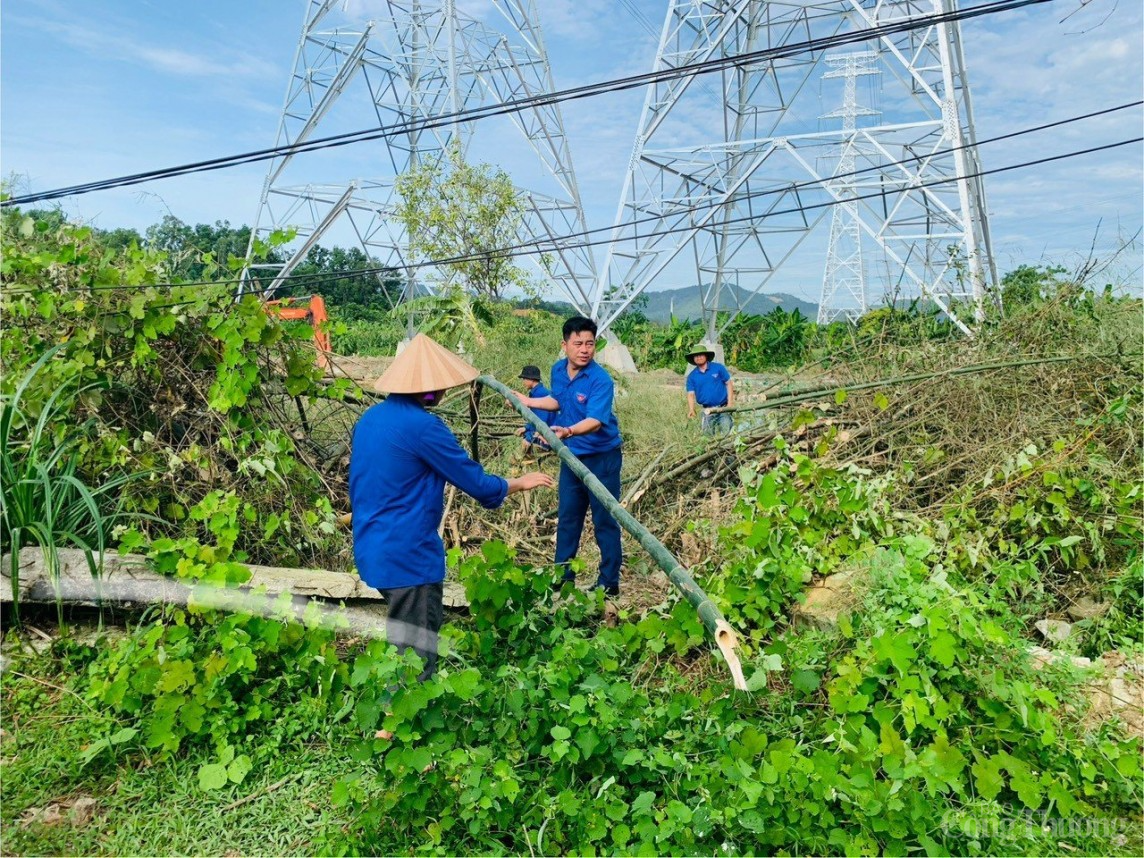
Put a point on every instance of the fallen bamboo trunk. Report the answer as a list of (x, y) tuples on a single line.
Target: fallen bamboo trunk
[(716, 450), (818, 393), (709, 614), (135, 585), (635, 489), (298, 595)]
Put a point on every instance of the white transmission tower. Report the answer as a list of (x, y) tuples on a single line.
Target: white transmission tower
[(411, 63), (844, 280), (727, 162)]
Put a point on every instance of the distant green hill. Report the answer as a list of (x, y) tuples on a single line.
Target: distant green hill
[(685, 303)]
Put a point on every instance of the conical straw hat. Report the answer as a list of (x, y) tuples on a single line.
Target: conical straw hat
[(424, 366)]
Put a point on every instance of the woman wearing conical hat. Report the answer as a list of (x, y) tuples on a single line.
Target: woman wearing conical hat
[(402, 457)]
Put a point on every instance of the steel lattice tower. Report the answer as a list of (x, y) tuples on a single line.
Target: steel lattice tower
[(416, 60), (730, 164), (844, 280)]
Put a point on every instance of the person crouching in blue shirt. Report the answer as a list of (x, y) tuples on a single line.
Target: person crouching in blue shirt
[(583, 392), (709, 385), (401, 458), (530, 441)]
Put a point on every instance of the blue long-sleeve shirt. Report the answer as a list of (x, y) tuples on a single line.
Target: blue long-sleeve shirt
[(549, 417), (589, 394), (402, 456)]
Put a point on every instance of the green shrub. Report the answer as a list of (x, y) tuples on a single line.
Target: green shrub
[(44, 498), (796, 520), (182, 383), (237, 684)]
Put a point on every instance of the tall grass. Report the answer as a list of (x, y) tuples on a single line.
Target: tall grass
[(44, 500)]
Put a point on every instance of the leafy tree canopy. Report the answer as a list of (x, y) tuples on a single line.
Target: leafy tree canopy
[(467, 213), (345, 276)]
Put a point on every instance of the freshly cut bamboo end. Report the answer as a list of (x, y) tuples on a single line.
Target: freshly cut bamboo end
[(727, 642)]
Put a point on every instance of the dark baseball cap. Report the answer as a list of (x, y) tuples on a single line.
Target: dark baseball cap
[(530, 372)]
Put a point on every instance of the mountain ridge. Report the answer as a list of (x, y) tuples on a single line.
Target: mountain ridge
[(684, 303)]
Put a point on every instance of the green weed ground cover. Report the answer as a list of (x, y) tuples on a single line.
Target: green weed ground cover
[(918, 725), (918, 728), (146, 807)]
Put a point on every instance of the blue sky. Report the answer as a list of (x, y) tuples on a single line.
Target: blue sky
[(96, 90)]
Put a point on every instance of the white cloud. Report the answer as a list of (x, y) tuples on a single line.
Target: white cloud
[(175, 61), (208, 60)]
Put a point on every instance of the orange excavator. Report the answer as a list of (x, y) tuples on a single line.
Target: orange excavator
[(311, 310)]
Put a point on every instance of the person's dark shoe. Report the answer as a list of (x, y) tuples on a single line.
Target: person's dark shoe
[(614, 590)]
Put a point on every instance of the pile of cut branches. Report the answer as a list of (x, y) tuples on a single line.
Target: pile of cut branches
[(937, 416)]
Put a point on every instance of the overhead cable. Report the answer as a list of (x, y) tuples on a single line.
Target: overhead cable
[(519, 251), (532, 102), (550, 242)]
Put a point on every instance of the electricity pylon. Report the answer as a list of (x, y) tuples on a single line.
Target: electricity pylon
[(728, 163), (411, 68), (844, 280)]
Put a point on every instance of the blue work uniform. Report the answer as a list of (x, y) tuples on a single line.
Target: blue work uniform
[(589, 394), (710, 386), (710, 389), (531, 436), (402, 457)]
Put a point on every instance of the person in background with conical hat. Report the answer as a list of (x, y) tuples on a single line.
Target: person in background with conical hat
[(401, 458), (709, 385)]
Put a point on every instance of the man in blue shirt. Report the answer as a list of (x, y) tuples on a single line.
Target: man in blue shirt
[(583, 392), (530, 375), (709, 385), (401, 458)]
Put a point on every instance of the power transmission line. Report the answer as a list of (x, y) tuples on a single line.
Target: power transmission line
[(522, 250), (525, 248), (545, 99), (640, 17)]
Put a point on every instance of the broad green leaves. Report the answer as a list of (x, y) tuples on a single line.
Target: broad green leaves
[(217, 680), (174, 382), (795, 521)]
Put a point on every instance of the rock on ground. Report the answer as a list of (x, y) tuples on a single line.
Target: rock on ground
[(1119, 692), (1087, 608), (1114, 690), (1053, 631)]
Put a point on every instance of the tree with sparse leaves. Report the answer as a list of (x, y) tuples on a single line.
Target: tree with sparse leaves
[(464, 215)]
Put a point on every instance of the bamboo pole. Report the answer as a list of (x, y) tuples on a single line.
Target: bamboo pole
[(725, 637), (475, 419), (635, 487), (818, 393), (366, 622)]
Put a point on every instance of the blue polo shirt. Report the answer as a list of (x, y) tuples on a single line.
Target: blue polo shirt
[(710, 387), (402, 456), (549, 417), (589, 394)]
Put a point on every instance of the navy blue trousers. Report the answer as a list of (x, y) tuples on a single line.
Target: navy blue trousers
[(414, 620), (575, 500)]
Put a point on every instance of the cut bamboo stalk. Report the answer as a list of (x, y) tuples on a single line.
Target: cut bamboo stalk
[(635, 487), (725, 637)]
